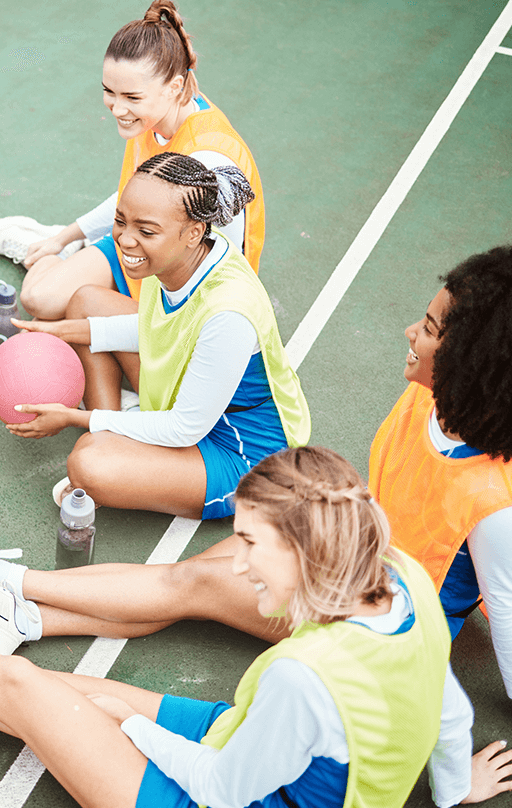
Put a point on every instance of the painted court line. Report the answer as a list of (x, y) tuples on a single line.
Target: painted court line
[(26, 770), (506, 51), (362, 246)]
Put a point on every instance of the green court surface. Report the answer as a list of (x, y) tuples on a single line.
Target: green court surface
[(332, 97)]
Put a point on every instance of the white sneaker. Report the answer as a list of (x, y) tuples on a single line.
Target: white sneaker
[(11, 636), (61, 490), (129, 400), (17, 233)]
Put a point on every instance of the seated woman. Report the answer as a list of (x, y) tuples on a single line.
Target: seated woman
[(217, 392), (150, 88), (440, 463), (363, 688)]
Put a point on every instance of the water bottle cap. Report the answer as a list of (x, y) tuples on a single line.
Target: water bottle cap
[(77, 509), (7, 294)]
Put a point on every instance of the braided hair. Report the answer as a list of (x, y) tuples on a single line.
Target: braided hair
[(213, 197), (320, 506), (472, 374), (160, 39)]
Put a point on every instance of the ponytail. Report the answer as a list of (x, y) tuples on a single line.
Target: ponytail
[(161, 40), (213, 197)]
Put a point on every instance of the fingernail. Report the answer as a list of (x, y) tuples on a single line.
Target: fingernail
[(503, 743), (18, 407)]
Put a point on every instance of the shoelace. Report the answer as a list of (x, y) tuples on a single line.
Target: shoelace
[(30, 609), (15, 251)]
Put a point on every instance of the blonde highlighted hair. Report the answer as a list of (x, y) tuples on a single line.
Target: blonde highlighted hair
[(320, 506)]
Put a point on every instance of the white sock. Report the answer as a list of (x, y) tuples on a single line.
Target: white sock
[(28, 619), (13, 574)]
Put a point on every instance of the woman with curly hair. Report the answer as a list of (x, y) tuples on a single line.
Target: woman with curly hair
[(344, 712), (440, 463)]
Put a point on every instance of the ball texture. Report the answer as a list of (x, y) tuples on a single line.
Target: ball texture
[(38, 368)]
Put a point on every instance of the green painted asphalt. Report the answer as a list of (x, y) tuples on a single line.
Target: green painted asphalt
[(331, 96)]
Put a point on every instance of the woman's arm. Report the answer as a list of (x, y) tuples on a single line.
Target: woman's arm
[(93, 225), (74, 331), (99, 221), (219, 361), (449, 766), (292, 719), (491, 551)]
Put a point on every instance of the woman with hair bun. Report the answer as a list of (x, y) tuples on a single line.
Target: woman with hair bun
[(150, 88), (217, 392), (345, 712)]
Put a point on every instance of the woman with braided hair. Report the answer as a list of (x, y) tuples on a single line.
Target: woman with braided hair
[(346, 711), (150, 88), (440, 463), (217, 392)]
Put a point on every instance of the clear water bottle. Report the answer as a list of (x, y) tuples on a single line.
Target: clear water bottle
[(75, 539), (8, 309)]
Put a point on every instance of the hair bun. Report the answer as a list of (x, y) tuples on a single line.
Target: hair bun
[(162, 11), (233, 195)]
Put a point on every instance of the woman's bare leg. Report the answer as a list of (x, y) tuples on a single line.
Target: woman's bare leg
[(129, 600), (51, 282), (82, 746), (104, 371), (123, 473)]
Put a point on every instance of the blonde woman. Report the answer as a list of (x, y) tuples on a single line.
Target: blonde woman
[(344, 712)]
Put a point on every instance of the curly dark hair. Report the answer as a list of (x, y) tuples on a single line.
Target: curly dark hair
[(472, 375)]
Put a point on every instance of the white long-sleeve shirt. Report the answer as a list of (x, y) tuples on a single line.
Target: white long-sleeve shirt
[(209, 382), (491, 552), (256, 761)]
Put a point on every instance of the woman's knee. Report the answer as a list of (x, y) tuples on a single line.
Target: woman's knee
[(15, 672), (35, 295), (84, 302), (88, 461)]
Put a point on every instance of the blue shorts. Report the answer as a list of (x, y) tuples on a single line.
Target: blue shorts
[(107, 246), (187, 717), (235, 444)]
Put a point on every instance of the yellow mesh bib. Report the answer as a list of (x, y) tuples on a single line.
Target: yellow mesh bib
[(167, 341), (388, 690)]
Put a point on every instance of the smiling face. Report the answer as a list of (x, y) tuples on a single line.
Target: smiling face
[(154, 233), (424, 341), (139, 101), (270, 564)]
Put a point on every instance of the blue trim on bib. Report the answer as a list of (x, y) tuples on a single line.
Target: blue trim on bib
[(460, 588), (169, 308), (201, 103), (107, 246)]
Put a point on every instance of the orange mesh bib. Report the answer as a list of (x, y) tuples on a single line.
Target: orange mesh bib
[(432, 501), (206, 130)]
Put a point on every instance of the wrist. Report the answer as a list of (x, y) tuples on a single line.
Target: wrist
[(79, 418), (70, 233)]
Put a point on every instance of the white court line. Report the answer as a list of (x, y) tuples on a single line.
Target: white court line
[(363, 244), (506, 51), (26, 770)]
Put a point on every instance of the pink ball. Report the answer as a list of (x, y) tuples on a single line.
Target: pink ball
[(38, 368)]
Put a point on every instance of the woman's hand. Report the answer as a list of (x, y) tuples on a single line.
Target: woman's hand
[(117, 708), (48, 246), (53, 245), (75, 331), (489, 767), (51, 419)]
